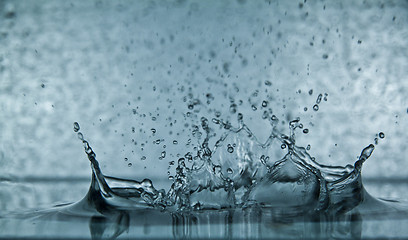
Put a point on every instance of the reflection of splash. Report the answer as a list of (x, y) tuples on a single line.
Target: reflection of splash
[(102, 227), (256, 223), (106, 221)]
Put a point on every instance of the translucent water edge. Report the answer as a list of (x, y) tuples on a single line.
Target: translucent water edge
[(234, 189)]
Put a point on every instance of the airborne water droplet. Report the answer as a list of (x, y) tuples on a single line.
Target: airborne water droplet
[(230, 171), (233, 108), (381, 135), (76, 127), (319, 98), (316, 107), (129, 164), (230, 149)]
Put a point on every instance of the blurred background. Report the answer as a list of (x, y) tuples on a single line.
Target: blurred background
[(138, 75)]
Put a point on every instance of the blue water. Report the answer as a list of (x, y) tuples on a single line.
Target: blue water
[(248, 119)]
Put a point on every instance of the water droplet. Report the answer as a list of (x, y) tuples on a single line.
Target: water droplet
[(305, 109), (316, 107), (163, 154), (129, 164), (308, 147), (230, 149), (143, 158), (381, 135), (254, 108), (76, 127), (305, 131), (283, 146), (153, 130), (175, 142), (233, 108), (264, 104), (126, 159), (319, 98), (240, 116), (230, 171)]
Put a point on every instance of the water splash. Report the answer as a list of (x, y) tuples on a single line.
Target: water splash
[(238, 172)]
